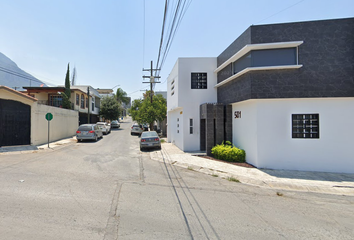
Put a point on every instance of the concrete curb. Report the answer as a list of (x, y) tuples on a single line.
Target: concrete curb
[(297, 180)]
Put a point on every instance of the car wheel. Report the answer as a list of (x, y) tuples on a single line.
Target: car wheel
[(141, 149)]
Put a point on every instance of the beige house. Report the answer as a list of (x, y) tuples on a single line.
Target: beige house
[(80, 100), (23, 121)]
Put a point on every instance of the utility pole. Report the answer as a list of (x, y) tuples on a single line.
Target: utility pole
[(88, 106), (152, 79)]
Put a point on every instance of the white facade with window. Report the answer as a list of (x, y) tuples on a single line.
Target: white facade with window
[(263, 128), (190, 84)]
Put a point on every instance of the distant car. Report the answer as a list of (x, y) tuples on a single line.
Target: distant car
[(146, 127), (88, 132), (136, 129), (115, 124), (105, 127), (150, 140)]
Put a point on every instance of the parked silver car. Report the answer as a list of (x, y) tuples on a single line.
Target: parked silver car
[(115, 124), (105, 127), (88, 132), (136, 129), (150, 140)]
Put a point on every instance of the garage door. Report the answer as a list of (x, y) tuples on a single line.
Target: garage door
[(15, 123)]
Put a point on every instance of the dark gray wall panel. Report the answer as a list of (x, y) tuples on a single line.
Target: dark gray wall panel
[(327, 56)]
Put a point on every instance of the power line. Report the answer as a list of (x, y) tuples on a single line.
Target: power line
[(280, 11), (19, 74), (167, 35), (143, 34)]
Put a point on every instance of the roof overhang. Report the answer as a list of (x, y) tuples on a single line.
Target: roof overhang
[(249, 69), (261, 46), (18, 93), (44, 89)]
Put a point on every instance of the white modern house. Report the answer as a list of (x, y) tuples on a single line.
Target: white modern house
[(190, 84), (283, 92)]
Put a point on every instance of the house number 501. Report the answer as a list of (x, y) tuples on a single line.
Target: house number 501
[(237, 114)]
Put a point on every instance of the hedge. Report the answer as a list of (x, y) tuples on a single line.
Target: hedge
[(228, 152)]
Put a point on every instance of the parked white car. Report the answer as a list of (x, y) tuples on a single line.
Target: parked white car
[(136, 129), (105, 127)]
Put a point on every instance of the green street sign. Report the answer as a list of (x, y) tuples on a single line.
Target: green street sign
[(49, 116)]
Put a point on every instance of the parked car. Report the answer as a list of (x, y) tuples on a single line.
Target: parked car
[(150, 140), (104, 127), (136, 129), (115, 124), (88, 132), (146, 127)]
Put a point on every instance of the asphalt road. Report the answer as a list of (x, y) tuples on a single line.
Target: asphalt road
[(110, 190)]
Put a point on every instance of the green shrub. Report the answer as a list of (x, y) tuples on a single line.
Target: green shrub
[(228, 152)]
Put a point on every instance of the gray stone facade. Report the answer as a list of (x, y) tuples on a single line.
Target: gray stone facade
[(327, 56), (213, 128)]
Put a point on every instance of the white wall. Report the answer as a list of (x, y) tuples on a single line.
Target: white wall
[(276, 149), (244, 129), (174, 133), (64, 124), (172, 100), (189, 99)]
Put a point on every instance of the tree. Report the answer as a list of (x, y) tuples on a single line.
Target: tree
[(143, 111), (134, 110), (121, 96), (110, 108), (67, 93)]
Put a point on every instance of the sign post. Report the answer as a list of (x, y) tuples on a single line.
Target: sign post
[(49, 117)]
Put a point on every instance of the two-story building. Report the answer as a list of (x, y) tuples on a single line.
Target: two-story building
[(284, 93), (190, 83), (84, 99)]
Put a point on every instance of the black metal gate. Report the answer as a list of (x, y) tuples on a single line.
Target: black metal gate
[(15, 123)]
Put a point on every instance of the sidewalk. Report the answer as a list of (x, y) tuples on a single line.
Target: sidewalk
[(320, 182), (29, 149)]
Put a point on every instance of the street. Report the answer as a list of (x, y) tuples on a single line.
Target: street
[(111, 190)]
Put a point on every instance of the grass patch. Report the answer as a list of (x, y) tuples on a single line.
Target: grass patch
[(280, 194), (190, 168), (162, 140), (215, 175), (232, 179)]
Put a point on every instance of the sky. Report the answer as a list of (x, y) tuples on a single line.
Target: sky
[(109, 42)]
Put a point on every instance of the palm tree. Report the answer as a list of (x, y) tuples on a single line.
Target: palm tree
[(121, 96)]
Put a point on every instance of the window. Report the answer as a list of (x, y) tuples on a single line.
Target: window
[(93, 103), (56, 101), (305, 126), (86, 102), (199, 81), (77, 99), (82, 101), (266, 58), (190, 126)]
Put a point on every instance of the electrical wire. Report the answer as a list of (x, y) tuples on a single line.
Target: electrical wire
[(29, 77), (143, 33), (167, 35), (280, 11)]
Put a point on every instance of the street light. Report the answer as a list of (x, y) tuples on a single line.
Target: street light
[(115, 86)]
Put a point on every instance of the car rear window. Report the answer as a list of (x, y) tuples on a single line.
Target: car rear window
[(149, 134), (85, 128)]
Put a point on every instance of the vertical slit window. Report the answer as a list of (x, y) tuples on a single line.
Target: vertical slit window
[(191, 126)]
